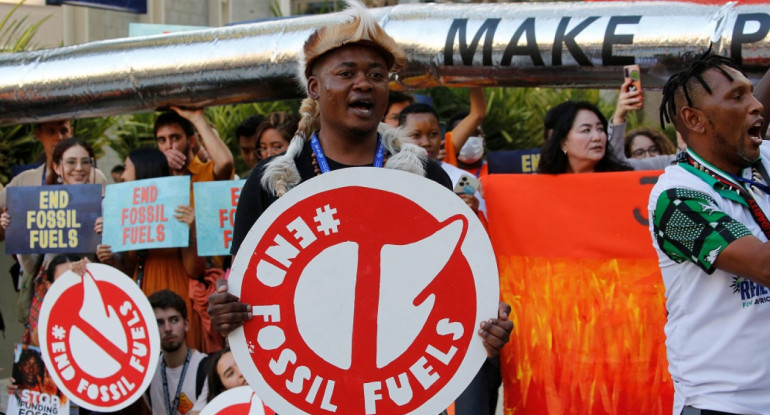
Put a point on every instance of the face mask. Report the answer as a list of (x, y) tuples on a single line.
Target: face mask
[(472, 151)]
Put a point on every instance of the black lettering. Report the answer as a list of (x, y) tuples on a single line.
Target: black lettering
[(638, 212), (569, 40), (513, 49), (611, 38), (458, 29), (739, 37)]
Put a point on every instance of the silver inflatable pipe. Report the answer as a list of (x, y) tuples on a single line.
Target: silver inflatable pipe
[(516, 44)]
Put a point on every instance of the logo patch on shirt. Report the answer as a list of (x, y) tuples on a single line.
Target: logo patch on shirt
[(751, 292)]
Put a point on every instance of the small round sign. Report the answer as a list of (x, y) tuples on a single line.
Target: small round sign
[(237, 401), (367, 288), (99, 338)]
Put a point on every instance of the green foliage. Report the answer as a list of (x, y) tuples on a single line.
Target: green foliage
[(16, 34), (92, 131), (226, 119), (17, 147), (275, 9), (131, 132)]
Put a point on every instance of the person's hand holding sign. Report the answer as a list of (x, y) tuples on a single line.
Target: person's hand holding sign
[(105, 255), (99, 225), (5, 219), (185, 214), (495, 332), (226, 311)]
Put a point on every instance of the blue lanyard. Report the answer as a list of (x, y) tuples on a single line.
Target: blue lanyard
[(172, 409), (478, 172), (379, 157), (761, 186)]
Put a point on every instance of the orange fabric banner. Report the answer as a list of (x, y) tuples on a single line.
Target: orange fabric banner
[(578, 269)]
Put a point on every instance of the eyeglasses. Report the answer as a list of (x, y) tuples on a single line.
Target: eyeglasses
[(84, 163), (651, 152)]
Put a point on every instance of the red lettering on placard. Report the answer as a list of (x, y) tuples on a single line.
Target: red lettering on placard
[(145, 194), (228, 237), (235, 194)]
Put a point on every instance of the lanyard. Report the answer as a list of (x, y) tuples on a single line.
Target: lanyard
[(171, 409), (478, 172), (379, 157), (45, 167), (756, 211)]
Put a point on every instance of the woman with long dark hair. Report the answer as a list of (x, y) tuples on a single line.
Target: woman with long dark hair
[(578, 142)]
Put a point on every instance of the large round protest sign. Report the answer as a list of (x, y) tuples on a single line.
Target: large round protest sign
[(237, 401), (99, 338), (367, 288)]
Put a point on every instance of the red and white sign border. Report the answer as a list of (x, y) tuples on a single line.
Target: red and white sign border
[(436, 200), (106, 273), (234, 396)]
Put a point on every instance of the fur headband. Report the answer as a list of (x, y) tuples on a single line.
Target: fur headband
[(358, 26)]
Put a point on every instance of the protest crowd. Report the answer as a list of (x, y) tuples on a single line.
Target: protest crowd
[(707, 212)]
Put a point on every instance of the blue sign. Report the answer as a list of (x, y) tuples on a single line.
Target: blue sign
[(133, 6), (514, 161), (140, 214), (53, 219), (215, 204)]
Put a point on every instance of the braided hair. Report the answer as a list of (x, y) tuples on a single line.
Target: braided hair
[(686, 79)]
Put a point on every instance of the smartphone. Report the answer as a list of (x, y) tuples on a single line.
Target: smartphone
[(632, 72), (467, 184)]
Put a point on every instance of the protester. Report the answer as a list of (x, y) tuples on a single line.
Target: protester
[(462, 129), (175, 132), (345, 72), (643, 142), (73, 163), (633, 100), (397, 101), (223, 373), (56, 267), (155, 269), (275, 133), (421, 127), (179, 386), (48, 134), (578, 143), (248, 140), (117, 173), (708, 217)]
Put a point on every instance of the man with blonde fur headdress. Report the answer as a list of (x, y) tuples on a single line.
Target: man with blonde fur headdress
[(345, 70)]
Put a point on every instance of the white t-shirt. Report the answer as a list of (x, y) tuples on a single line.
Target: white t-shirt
[(188, 402), (716, 338)]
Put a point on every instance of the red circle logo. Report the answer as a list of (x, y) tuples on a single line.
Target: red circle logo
[(366, 286), (99, 338)]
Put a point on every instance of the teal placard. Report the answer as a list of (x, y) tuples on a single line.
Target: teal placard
[(215, 204), (140, 214)]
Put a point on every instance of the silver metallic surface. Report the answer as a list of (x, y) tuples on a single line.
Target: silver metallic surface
[(446, 44)]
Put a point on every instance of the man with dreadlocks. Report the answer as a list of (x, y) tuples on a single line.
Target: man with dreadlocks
[(345, 70), (710, 229)]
